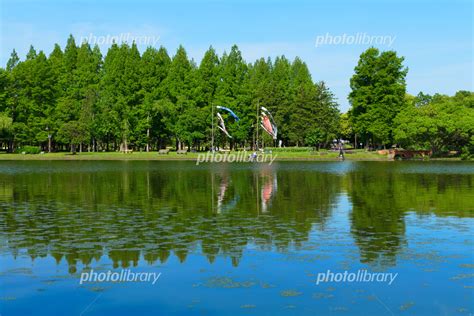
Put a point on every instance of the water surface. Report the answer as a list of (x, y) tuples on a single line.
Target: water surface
[(236, 238)]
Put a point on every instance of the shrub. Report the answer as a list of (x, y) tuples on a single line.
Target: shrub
[(28, 150), (290, 149), (466, 153)]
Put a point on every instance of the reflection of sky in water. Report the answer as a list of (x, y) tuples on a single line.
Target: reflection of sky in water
[(276, 254)]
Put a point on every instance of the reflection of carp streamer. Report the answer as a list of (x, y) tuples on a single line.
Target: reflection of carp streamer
[(268, 190), (220, 197)]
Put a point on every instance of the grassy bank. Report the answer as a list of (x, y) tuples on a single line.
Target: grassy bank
[(358, 155), (280, 156)]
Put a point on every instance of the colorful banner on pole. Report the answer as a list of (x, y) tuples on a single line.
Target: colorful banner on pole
[(221, 121), (268, 123)]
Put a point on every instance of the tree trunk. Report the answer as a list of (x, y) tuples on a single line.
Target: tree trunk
[(124, 144), (147, 140)]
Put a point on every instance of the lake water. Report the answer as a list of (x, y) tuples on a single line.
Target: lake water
[(233, 239)]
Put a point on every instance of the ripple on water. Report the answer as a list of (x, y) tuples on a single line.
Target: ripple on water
[(290, 293), (406, 306), (227, 283)]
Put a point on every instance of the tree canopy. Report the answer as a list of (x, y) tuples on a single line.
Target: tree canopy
[(77, 97), (377, 96), (125, 98)]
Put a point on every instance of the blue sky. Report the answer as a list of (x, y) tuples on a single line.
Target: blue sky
[(435, 37)]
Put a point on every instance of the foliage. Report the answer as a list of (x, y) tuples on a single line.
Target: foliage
[(466, 153), (377, 96), (73, 132), (33, 150), (315, 137), (124, 98), (151, 100), (439, 123)]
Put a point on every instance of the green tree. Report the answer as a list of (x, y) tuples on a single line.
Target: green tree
[(378, 95), (121, 93), (282, 97), (346, 132), (154, 66), (303, 102), (439, 123), (74, 133), (325, 112), (180, 84), (208, 77), (13, 61), (315, 137), (233, 91)]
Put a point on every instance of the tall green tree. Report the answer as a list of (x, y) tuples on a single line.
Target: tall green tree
[(282, 97), (303, 103), (261, 89), (183, 115), (154, 66), (233, 91), (121, 93), (108, 129), (208, 77), (378, 95)]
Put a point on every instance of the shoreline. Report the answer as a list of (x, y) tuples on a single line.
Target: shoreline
[(154, 156)]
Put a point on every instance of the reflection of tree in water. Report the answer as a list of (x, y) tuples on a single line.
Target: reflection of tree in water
[(154, 213), (378, 225), (381, 198)]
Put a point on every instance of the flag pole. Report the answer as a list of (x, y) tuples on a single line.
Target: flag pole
[(212, 129), (257, 127)]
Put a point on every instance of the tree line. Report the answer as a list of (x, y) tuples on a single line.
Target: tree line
[(77, 99), (383, 114)]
